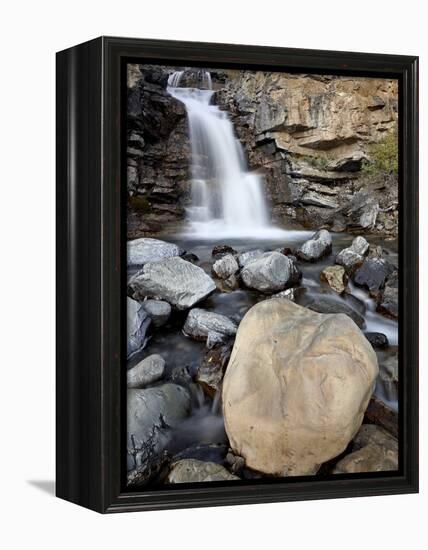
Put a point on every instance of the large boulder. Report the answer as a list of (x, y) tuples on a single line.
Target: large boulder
[(142, 251), (296, 387), (318, 246), (206, 325), (137, 324), (271, 272), (246, 257), (152, 412), (149, 370), (190, 470), (174, 280), (353, 256)]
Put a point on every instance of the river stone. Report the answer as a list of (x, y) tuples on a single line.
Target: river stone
[(152, 412), (225, 266), (296, 387), (373, 274), (146, 372), (374, 450), (318, 246), (332, 305), (269, 273), (222, 249), (388, 375), (336, 278), (137, 324), (388, 302), (289, 294), (247, 257), (353, 256), (180, 283), (202, 325), (190, 470), (158, 311), (142, 251), (377, 339), (210, 372)]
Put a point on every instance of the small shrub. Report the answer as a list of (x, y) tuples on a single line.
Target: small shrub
[(383, 156)]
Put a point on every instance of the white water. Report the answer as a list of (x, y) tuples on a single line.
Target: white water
[(227, 200)]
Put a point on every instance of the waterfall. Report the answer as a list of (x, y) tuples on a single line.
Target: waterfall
[(226, 198)]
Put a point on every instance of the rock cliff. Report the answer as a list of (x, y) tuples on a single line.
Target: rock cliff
[(320, 142)]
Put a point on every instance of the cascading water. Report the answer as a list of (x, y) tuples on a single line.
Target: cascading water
[(226, 199)]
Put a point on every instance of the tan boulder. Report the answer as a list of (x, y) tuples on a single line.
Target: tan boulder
[(336, 278), (296, 387)]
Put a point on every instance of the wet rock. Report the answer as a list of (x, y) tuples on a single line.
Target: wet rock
[(222, 249), (374, 450), (330, 304), (225, 266), (296, 387), (373, 274), (214, 363), (377, 339), (336, 277), (202, 325), (352, 257), (158, 311), (236, 463), (247, 257), (174, 280), (270, 273), (192, 471), (289, 294), (213, 452), (190, 257), (146, 372), (380, 414), (142, 251), (388, 375), (388, 302), (152, 413), (137, 324), (227, 285), (318, 246)]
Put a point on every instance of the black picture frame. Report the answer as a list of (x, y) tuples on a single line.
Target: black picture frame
[(90, 272)]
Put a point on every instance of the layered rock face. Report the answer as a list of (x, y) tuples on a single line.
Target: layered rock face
[(296, 387), (309, 135)]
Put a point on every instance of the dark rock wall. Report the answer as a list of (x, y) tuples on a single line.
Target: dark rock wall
[(309, 135)]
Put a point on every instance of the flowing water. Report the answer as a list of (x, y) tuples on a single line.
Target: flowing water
[(228, 205), (227, 199)]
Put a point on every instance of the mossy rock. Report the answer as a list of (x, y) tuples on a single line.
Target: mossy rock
[(139, 204)]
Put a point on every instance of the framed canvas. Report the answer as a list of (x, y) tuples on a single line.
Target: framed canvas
[(237, 282)]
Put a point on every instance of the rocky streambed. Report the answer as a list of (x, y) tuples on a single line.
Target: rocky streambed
[(262, 358)]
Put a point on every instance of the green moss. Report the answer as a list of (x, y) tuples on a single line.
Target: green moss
[(383, 156), (139, 204), (320, 163)]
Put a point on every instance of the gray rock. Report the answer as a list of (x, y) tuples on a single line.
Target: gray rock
[(288, 294), (158, 311), (142, 251), (372, 275), (152, 413), (375, 450), (269, 273), (318, 246), (317, 199), (137, 324), (146, 372), (388, 303), (247, 257), (180, 283), (352, 257), (225, 266), (377, 339), (210, 372), (190, 470), (388, 375), (349, 163), (227, 285), (327, 304), (206, 325)]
